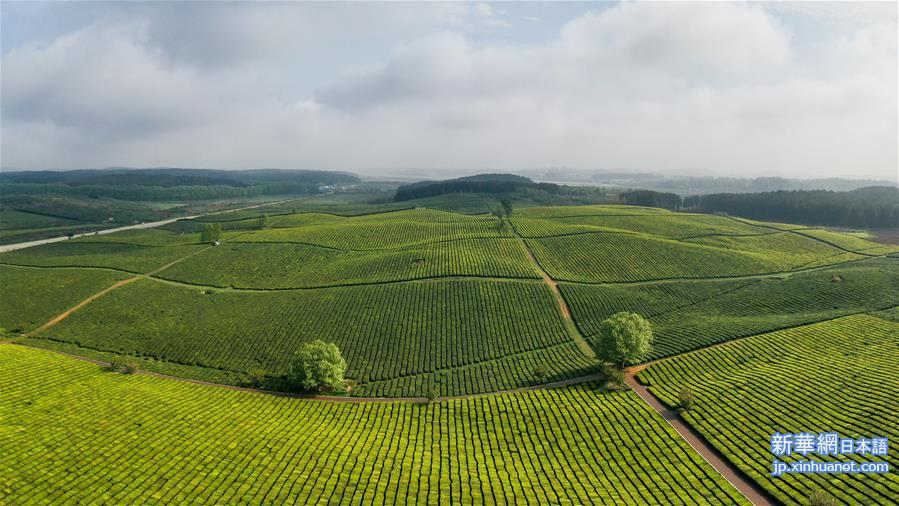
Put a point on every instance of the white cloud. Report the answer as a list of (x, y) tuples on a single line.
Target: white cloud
[(651, 86)]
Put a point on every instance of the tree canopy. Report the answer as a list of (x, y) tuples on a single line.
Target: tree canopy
[(871, 207), (651, 198), (211, 232), (625, 337), (317, 365)]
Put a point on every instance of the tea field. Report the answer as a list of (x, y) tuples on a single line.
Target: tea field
[(140, 439), (689, 315), (298, 265), (834, 376), (32, 295), (122, 256), (479, 311), (385, 331)]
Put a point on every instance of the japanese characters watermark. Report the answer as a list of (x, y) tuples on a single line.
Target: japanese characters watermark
[(825, 444)]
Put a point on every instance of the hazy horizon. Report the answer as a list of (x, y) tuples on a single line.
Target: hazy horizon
[(795, 90)]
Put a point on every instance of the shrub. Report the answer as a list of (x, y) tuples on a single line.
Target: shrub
[(257, 377), (821, 498), (540, 373), (316, 366), (122, 366), (685, 398), (614, 378)]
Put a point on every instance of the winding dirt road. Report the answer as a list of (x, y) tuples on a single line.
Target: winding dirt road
[(570, 326)]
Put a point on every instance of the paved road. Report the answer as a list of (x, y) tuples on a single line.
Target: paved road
[(152, 224)]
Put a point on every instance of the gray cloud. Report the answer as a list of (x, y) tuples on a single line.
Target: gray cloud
[(729, 87)]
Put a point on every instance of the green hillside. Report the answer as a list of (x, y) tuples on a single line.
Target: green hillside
[(833, 376), (423, 300), (140, 439), (427, 303)]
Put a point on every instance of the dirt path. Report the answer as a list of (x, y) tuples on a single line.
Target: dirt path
[(573, 331), (755, 493), (65, 314)]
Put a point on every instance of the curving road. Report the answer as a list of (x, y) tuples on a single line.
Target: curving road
[(152, 224)]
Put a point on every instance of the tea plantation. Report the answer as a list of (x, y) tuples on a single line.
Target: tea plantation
[(834, 376), (479, 313), (140, 439)]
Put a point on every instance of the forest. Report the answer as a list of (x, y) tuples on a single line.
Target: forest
[(871, 207), (170, 184)]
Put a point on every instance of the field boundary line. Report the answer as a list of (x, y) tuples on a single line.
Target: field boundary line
[(476, 363), (429, 279), (456, 278), (637, 368), (722, 278), (65, 314), (798, 231), (631, 371), (573, 331), (188, 284), (315, 397), (396, 248)]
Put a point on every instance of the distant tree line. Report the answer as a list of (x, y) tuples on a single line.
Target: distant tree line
[(169, 184), (690, 185), (872, 207), (651, 198), (440, 188), (137, 192), (178, 177), (88, 210), (482, 183)]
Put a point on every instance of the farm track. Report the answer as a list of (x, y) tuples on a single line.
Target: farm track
[(750, 489), (65, 314), (573, 331), (731, 473)]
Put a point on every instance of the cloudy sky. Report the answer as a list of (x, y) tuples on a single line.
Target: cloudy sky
[(793, 89)]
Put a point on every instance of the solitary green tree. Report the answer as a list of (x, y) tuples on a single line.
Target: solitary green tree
[(507, 207), (211, 232), (625, 337), (264, 221), (317, 365)]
